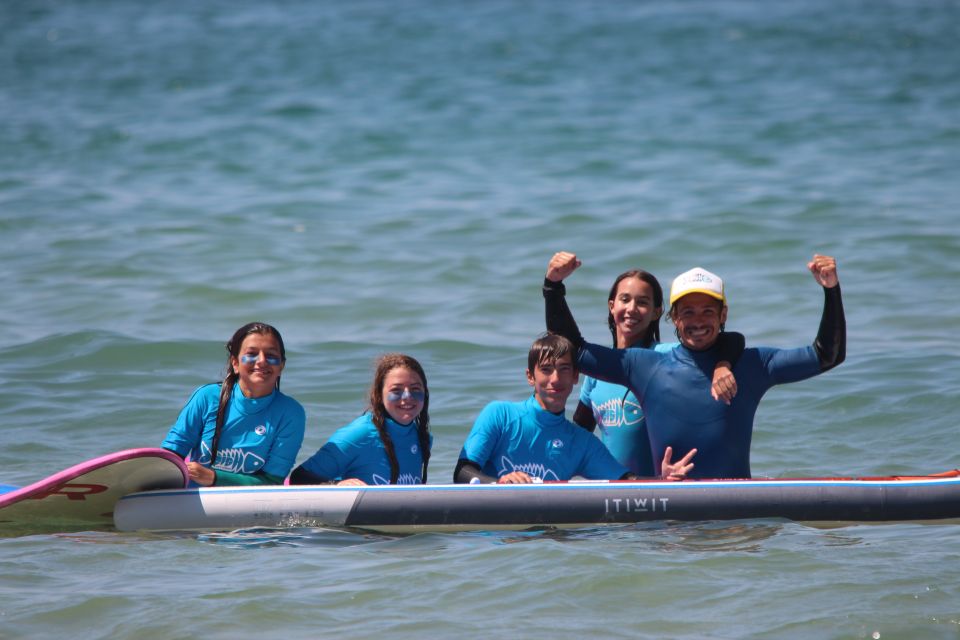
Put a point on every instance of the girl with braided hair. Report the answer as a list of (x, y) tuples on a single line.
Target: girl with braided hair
[(390, 443), (242, 431)]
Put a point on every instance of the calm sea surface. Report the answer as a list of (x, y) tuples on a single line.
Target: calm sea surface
[(373, 176)]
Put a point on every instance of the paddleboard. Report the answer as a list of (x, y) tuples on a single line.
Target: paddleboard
[(418, 508), (83, 497)]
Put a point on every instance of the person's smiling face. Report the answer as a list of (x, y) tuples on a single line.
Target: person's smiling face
[(403, 394), (698, 318), (258, 364), (552, 382), (632, 308)]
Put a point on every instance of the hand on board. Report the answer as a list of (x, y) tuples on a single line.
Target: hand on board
[(515, 477), (676, 470), (200, 474), (351, 482)]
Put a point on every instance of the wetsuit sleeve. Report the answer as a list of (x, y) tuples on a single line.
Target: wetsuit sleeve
[(229, 479), (466, 471), (187, 432), (730, 347), (286, 445), (558, 316), (301, 476), (483, 437), (583, 417), (342, 455), (611, 365), (831, 342)]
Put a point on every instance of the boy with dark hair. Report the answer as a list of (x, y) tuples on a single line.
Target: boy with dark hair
[(532, 441)]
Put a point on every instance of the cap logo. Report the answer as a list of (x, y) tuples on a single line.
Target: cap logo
[(697, 280)]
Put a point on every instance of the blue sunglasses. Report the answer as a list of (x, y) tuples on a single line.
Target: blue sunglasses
[(252, 359), (407, 394)]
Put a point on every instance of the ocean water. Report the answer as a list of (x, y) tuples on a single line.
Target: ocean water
[(375, 176)]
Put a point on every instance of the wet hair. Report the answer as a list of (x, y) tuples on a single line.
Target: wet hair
[(385, 365), (231, 376), (549, 347), (653, 329)]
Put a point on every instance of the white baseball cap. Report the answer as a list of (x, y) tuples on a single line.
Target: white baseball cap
[(697, 280)]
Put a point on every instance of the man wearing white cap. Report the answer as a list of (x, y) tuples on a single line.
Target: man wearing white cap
[(674, 387), (699, 291)]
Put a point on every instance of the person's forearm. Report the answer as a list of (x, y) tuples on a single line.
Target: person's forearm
[(583, 417), (301, 476), (730, 345), (467, 471), (558, 316), (831, 342)]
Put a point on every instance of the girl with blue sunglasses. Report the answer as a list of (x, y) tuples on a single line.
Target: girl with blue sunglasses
[(390, 443), (242, 431)]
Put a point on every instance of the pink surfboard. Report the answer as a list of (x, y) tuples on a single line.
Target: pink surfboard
[(82, 497)]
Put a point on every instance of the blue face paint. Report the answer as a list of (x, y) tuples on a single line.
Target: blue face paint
[(407, 394), (248, 358)]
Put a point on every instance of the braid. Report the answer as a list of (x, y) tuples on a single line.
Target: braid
[(226, 391), (379, 423), (423, 434), (423, 423)]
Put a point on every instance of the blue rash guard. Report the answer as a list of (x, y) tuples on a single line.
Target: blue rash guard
[(522, 436), (356, 451), (258, 435), (623, 428), (674, 391)]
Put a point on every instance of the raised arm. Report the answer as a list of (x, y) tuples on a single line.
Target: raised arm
[(558, 316), (831, 341), (603, 363)]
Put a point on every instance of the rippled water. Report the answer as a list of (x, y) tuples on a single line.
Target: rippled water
[(370, 176)]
